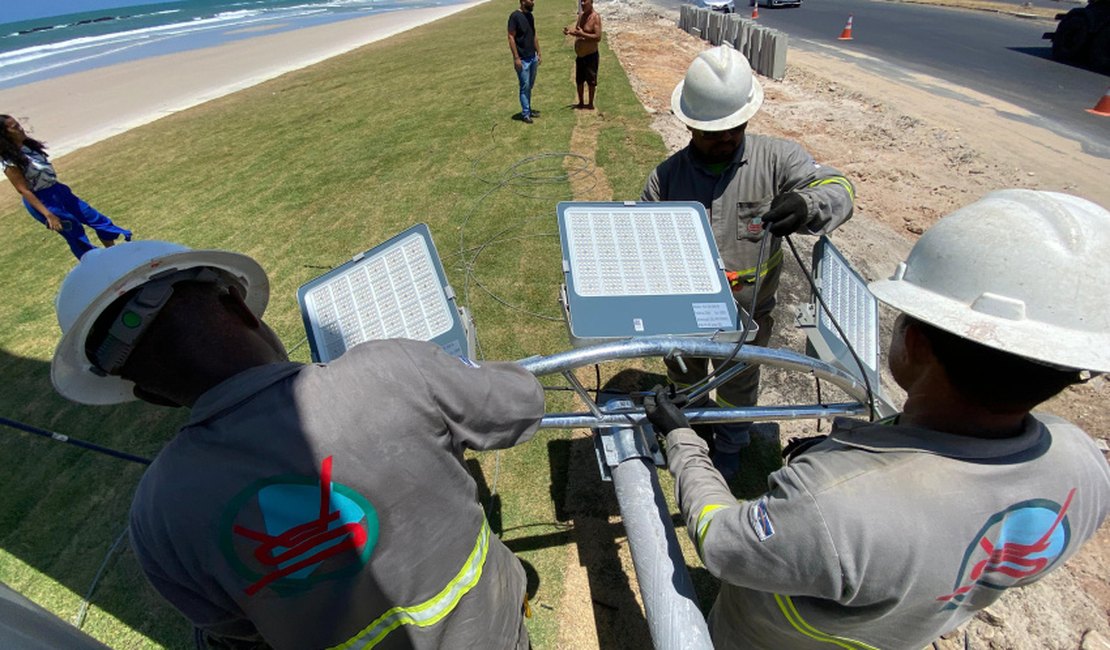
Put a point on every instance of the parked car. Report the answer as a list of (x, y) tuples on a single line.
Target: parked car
[(780, 3), (1083, 36), (724, 6)]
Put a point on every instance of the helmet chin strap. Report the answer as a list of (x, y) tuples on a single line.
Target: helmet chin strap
[(154, 398)]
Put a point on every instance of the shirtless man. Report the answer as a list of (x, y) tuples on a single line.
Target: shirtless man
[(587, 34)]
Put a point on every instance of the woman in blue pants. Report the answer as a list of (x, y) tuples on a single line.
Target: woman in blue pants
[(51, 203)]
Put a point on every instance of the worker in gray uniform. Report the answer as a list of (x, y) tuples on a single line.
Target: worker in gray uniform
[(300, 506), (749, 184), (889, 534)]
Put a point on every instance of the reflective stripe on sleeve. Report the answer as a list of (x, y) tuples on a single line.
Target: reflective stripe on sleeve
[(799, 624), (839, 180), (748, 276), (705, 517), (432, 610)]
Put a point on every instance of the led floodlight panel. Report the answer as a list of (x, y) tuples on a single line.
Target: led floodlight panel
[(394, 290), (642, 269), (853, 306)]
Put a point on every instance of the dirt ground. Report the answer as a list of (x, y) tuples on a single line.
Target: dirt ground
[(916, 148)]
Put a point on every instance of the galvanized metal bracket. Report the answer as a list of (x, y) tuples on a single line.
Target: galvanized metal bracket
[(616, 444)]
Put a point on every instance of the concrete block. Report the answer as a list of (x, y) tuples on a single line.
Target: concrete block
[(778, 67), (767, 52), (755, 46), (731, 29)]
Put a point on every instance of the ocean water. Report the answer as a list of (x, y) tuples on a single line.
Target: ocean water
[(50, 47)]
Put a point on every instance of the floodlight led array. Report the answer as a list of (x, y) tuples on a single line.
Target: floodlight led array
[(395, 290), (642, 269), (852, 306)]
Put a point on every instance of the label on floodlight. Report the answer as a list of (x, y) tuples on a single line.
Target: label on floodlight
[(394, 291), (712, 315), (639, 253)]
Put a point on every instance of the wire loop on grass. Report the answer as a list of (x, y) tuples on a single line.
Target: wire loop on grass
[(536, 170)]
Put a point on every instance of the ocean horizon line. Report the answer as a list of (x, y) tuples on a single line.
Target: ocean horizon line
[(115, 99), (47, 48)]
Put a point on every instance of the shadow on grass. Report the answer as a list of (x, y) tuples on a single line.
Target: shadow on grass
[(59, 496), (588, 506)]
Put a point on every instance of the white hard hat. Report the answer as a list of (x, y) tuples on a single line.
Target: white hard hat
[(105, 274), (719, 91), (1021, 271)]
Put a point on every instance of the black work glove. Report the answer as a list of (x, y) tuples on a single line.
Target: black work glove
[(787, 214), (662, 411)]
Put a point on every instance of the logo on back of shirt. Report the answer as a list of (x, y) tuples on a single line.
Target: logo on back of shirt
[(290, 532), (1015, 547)]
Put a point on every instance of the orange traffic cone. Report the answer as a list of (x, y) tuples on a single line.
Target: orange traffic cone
[(755, 12), (1103, 105), (846, 35)]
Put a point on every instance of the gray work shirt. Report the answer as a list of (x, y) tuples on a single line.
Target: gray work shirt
[(888, 536), (763, 168), (312, 505)]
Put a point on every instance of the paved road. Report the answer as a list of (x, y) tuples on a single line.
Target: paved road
[(999, 55)]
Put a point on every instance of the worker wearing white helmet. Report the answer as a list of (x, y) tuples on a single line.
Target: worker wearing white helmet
[(750, 185), (890, 534), (301, 506)]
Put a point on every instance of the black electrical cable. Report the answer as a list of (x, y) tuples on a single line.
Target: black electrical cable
[(843, 336), (79, 619), (719, 366), (73, 441), (817, 385)]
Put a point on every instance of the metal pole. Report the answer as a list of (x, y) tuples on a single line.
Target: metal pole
[(627, 451), (665, 586), (670, 603), (662, 346), (562, 362), (708, 415)]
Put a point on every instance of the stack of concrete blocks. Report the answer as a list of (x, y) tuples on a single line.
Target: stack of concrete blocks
[(764, 48)]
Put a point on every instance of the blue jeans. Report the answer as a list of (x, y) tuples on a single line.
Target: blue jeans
[(527, 77), (74, 214)]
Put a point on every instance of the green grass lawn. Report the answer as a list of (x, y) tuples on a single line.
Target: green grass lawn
[(301, 173)]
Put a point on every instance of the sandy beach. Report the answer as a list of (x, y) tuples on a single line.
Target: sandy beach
[(80, 109)]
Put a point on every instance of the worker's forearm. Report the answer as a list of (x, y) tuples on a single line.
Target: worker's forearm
[(698, 485), (830, 202)]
